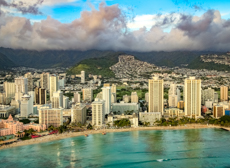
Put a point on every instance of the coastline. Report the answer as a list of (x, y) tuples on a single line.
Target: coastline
[(90, 132)]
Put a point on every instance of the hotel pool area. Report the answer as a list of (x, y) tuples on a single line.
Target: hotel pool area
[(156, 148)]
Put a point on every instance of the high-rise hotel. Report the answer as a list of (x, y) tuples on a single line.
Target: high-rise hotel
[(192, 90), (223, 93), (156, 95)]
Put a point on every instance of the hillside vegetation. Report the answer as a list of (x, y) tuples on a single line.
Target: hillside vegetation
[(5, 62), (97, 66), (67, 58), (198, 64)]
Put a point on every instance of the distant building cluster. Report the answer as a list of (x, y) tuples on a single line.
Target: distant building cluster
[(55, 98)]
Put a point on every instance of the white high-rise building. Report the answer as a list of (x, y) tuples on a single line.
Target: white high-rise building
[(45, 81), (114, 89), (65, 102), (9, 89), (77, 97), (61, 83), (106, 96), (57, 99), (192, 89), (173, 95), (87, 94), (53, 84), (29, 77), (156, 95), (98, 112), (78, 113), (26, 106), (32, 94), (134, 97), (224, 93), (113, 98), (207, 94), (51, 116), (21, 87), (82, 76), (147, 97)]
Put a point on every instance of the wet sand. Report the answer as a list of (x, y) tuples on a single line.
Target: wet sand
[(89, 132)]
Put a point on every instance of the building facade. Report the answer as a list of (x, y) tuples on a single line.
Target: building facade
[(45, 81), (82, 76), (192, 89), (78, 113), (53, 84), (223, 93), (40, 95), (21, 87), (9, 89), (29, 77), (87, 94), (156, 95), (98, 112), (150, 117), (134, 97), (51, 116), (106, 96)]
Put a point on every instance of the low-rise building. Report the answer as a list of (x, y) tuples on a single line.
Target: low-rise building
[(6, 111), (149, 117), (51, 116), (218, 111), (132, 118), (122, 107), (78, 113), (126, 98), (10, 126), (174, 112)]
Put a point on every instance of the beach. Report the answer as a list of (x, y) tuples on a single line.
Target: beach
[(89, 132)]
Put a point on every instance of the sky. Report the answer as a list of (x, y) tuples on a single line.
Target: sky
[(134, 25)]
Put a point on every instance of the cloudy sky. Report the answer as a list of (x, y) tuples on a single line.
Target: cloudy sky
[(137, 25)]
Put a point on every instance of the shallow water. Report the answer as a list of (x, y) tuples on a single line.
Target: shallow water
[(157, 148)]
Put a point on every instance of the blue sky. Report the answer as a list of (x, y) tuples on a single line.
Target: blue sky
[(68, 10)]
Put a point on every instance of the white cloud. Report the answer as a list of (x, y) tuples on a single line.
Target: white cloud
[(47, 2), (105, 29), (148, 21)]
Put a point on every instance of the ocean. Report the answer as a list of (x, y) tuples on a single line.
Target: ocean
[(155, 148)]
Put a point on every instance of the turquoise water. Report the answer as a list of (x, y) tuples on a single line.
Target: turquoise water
[(166, 148)]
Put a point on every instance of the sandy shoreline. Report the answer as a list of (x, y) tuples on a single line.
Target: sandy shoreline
[(75, 134)]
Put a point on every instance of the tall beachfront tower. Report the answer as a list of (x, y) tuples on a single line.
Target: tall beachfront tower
[(192, 89), (156, 95), (82, 76), (53, 84), (98, 112), (223, 93), (106, 96)]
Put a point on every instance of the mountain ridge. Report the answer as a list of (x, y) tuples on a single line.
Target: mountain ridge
[(69, 58)]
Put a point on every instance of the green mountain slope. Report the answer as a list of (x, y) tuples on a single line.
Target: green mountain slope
[(169, 59), (66, 58), (97, 66), (5, 62), (50, 58), (198, 64)]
